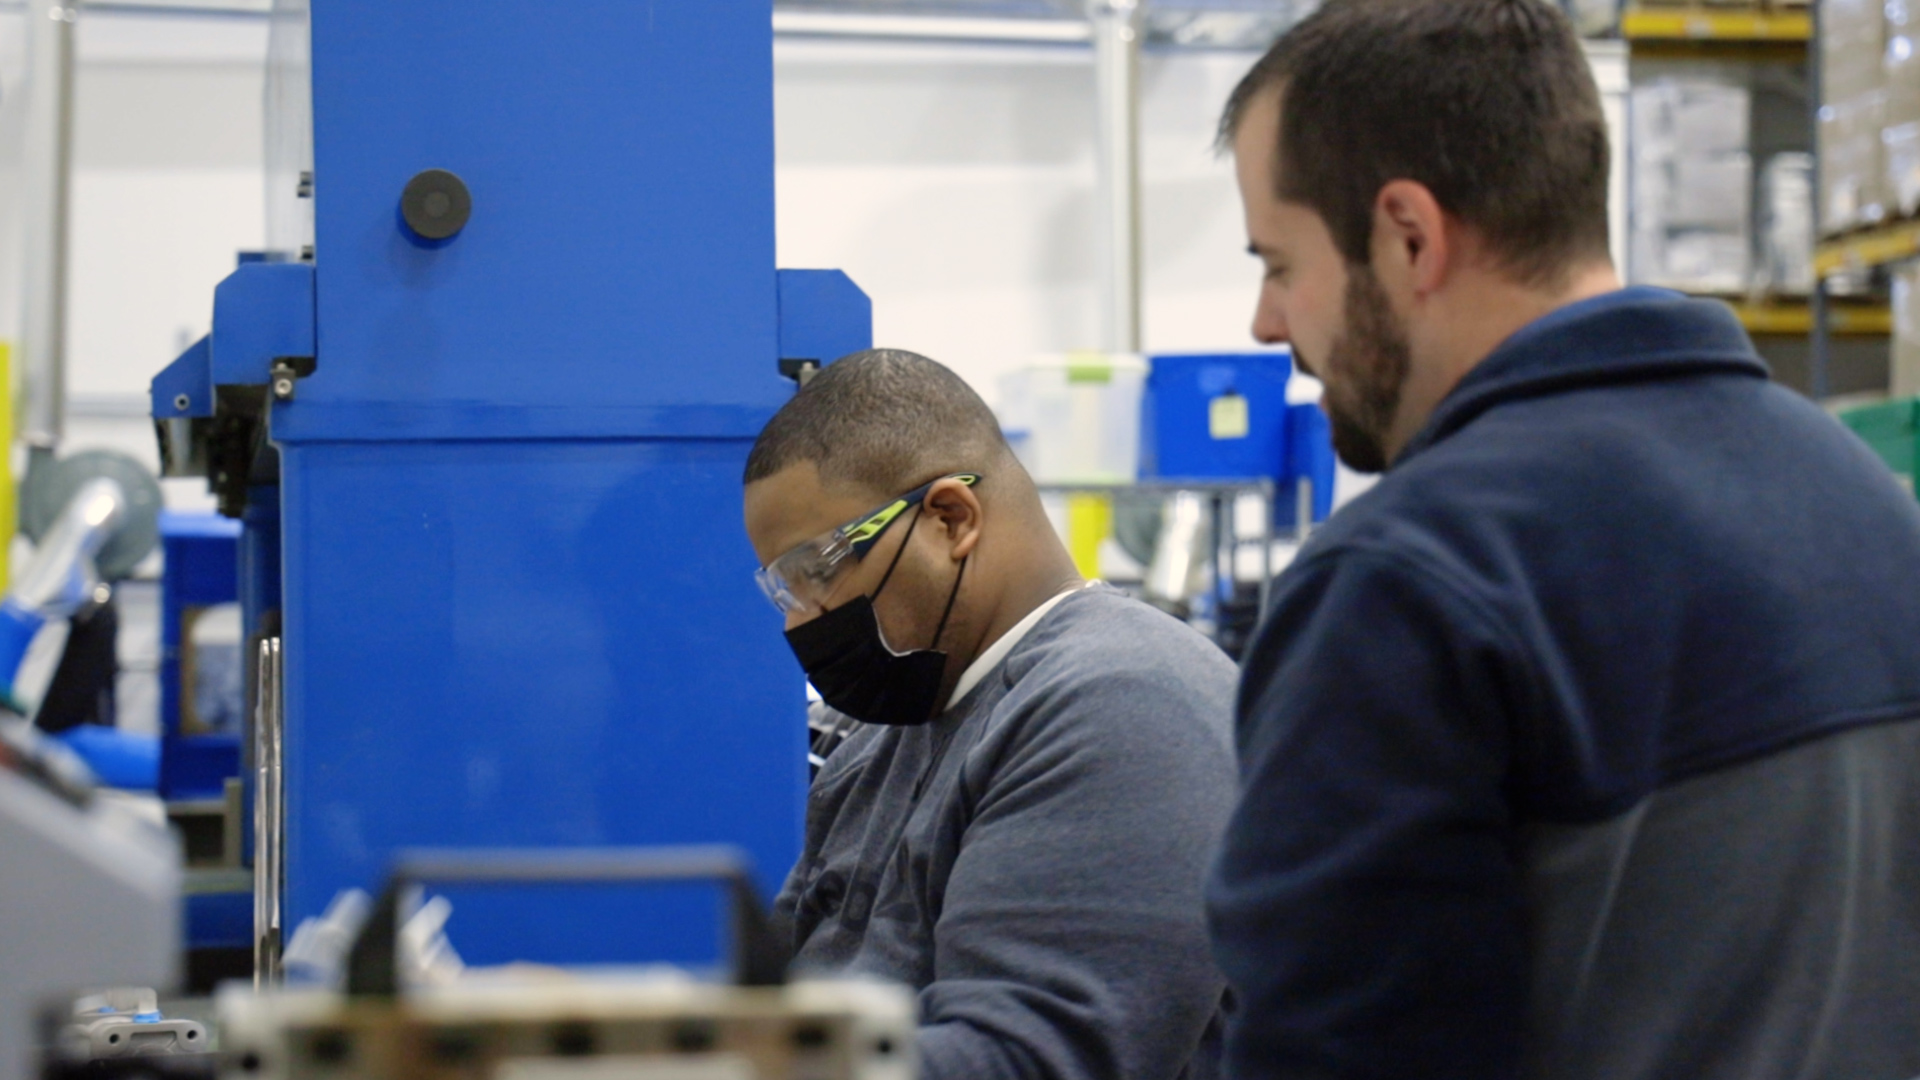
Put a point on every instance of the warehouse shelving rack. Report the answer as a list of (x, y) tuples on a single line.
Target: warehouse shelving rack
[(1881, 245), (1779, 33)]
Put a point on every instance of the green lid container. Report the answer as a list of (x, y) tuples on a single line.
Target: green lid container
[(1889, 427)]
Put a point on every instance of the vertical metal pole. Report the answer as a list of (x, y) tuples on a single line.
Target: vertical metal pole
[(1819, 339), (1116, 60), (1222, 587), (269, 818), (1267, 498), (49, 186)]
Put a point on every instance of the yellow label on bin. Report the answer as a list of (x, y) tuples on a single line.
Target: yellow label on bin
[(1227, 417)]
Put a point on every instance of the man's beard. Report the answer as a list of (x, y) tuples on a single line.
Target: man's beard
[(1366, 369)]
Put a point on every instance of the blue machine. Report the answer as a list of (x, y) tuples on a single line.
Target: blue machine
[(496, 407), (1225, 416), (202, 560)]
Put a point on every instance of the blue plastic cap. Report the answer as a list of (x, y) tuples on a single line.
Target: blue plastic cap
[(17, 629), (146, 1018)]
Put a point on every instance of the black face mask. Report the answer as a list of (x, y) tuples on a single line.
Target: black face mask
[(848, 661)]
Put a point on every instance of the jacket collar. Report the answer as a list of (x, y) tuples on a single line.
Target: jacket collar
[(1631, 335)]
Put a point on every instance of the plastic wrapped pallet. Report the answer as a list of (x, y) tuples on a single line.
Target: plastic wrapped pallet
[(1852, 42), (1904, 379), (1786, 225), (1853, 114), (1691, 183), (1852, 163), (1900, 136)]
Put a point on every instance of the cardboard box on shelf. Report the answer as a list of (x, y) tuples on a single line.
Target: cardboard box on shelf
[(1853, 174), (1853, 42)]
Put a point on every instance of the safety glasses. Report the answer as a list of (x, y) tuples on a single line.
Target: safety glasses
[(801, 580)]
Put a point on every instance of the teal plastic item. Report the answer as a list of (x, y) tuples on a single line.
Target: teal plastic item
[(1890, 429)]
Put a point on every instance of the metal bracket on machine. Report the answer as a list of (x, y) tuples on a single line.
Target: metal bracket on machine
[(823, 317), (285, 374), (209, 406), (758, 957)]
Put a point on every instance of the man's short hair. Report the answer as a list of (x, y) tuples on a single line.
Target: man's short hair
[(1488, 103), (885, 419)]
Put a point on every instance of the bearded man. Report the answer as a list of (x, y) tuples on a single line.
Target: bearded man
[(1585, 744)]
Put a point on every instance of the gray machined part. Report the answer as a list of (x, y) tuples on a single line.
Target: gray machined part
[(1136, 522), (51, 484), (92, 898), (122, 1036), (62, 576)]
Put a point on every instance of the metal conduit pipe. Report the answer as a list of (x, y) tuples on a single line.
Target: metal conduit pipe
[(786, 23), (49, 189), (1116, 59), (929, 28)]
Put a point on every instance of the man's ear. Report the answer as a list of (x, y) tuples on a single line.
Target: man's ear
[(1411, 247), (957, 510)]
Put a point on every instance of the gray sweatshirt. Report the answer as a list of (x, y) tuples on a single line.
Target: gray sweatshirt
[(1031, 861)]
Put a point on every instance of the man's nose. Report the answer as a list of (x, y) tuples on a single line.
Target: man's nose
[(1269, 323)]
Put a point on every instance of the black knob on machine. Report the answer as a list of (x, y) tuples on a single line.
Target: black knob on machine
[(436, 204)]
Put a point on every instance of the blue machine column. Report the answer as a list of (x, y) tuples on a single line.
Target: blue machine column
[(517, 601)]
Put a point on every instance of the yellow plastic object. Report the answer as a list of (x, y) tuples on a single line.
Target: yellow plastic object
[(9, 519), (1089, 521), (1692, 24)]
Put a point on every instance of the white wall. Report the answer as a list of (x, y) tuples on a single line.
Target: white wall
[(956, 185), (167, 187)]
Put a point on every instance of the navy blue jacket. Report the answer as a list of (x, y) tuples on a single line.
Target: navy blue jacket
[(1617, 570)]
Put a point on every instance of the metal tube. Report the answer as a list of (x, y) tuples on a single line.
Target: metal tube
[(1266, 555), (959, 28), (1116, 60), (49, 162), (1820, 340), (269, 819)]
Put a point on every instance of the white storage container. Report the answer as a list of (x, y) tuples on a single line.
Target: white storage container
[(1075, 418)]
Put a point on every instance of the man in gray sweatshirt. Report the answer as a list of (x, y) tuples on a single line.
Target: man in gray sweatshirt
[(1019, 822)]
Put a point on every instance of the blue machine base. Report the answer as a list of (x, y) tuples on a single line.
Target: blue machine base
[(221, 920), (585, 661)]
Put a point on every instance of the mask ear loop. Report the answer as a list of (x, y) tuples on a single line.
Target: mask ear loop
[(884, 578), (951, 597)]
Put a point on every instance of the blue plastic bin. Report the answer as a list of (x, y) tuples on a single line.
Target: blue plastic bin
[(1225, 416)]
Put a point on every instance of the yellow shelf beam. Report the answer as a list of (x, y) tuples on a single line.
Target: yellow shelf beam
[(1795, 318), (1892, 243), (1696, 24)]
